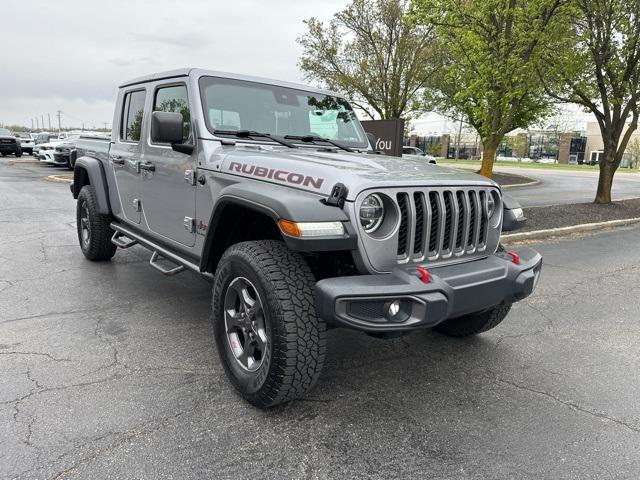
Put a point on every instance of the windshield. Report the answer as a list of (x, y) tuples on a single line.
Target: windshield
[(240, 105), (4, 131)]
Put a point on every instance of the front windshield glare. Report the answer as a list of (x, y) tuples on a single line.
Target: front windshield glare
[(4, 131), (240, 105)]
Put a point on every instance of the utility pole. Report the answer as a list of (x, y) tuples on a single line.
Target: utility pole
[(83, 126), (31, 123), (49, 117), (59, 122), (42, 118), (458, 139), (105, 125)]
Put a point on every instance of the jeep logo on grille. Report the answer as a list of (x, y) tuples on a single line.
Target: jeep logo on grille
[(280, 175)]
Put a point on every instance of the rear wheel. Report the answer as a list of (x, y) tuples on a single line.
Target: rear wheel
[(18, 153), (269, 338), (94, 231)]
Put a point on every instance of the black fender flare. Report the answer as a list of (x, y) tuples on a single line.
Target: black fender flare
[(277, 202), (94, 171)]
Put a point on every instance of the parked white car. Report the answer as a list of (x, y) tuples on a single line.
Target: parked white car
[(416, 153), (26, 142), (47, 150)]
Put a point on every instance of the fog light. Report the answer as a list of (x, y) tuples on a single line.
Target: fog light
[(398, 311), (394, 308)]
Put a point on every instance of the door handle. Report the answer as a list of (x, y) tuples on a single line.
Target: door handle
[(117, 160), (150, 167)]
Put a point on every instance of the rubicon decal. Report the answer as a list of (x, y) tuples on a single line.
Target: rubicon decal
[(280, 175)]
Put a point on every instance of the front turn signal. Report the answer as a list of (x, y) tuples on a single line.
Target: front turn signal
[(311, 229)]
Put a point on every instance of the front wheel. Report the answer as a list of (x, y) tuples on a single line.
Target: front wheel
[(269, 338), (18, 153), (94, 230), (474, 323)]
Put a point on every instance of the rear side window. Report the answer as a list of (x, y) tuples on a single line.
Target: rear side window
[(174, 99), (132, 114)]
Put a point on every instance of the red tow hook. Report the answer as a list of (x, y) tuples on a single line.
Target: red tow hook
[(515, 258), (424, 274)]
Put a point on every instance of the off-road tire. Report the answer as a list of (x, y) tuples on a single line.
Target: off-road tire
[(474, 323), (99, 246), (296, 344)]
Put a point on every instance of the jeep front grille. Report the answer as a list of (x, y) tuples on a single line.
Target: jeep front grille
[(440, 224)]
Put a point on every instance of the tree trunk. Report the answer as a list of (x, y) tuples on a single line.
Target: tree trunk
[(489, 151), (605, 180)]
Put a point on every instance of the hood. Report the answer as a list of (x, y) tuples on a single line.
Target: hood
[(319, 171), (7, 137)]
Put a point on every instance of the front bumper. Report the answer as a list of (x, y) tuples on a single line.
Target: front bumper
[(46, 156), (9, 148), (61, 158), (362, 302)]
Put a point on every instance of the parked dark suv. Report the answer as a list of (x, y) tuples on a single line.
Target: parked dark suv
[(9, 144)]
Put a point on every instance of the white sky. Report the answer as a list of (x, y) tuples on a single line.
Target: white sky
[(71, 55)]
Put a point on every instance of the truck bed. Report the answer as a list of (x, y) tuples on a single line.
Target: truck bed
[(96, 147)]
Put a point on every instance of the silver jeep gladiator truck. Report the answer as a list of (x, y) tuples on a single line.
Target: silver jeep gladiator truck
[(273, 191)]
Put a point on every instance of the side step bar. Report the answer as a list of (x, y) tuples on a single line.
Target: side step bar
[(157, 250), (153, 261), (120, 241)]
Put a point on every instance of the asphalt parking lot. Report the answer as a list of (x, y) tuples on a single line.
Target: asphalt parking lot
[(559, 187), (109, 371)]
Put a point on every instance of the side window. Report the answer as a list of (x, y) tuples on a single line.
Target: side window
[(132, 113), (174, 99)]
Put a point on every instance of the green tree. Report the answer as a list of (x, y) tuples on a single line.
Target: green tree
[(371, 53), (599, 69), (492, 51)]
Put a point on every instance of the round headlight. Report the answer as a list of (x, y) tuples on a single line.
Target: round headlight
[(371, 213), (491, 206)]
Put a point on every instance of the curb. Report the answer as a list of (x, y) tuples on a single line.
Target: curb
[(556, 232), (516, 185), (58, 179), (531, 183)]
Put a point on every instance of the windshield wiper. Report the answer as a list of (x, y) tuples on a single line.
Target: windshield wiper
[(251, 133), (315, 139)]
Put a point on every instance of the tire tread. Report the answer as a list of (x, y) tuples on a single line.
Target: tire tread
[(298, 334)]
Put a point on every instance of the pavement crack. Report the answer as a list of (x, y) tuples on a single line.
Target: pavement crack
[(38, 354), (572, 405), (37, 316)]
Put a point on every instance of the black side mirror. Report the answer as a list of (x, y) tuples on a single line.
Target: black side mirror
[(166, 127)]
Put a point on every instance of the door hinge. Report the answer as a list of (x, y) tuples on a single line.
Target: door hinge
[(189, 224), (190, 177), (137, 205)]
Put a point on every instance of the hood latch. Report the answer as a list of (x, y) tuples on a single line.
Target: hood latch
[(338, 195)]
